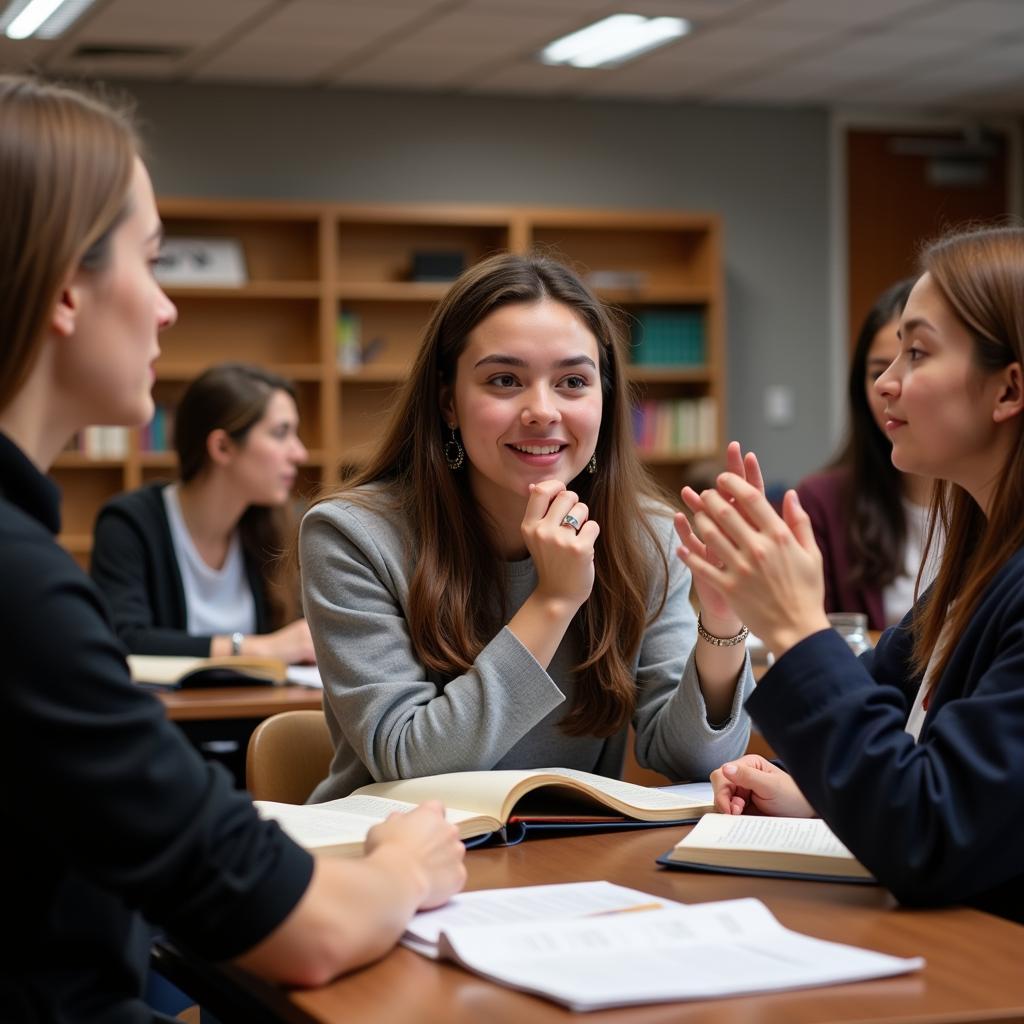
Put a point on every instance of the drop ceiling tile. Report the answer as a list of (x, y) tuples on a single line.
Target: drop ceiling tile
[(184, 22)]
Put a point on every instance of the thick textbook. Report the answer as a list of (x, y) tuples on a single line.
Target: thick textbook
[(725, 948), (172, 672), (773, 847), (481, 803)]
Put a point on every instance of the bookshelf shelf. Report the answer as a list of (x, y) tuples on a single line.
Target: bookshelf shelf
[(252, 290), (312, 266), (79, 460)]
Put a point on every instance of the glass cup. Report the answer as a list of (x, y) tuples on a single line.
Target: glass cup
[(853, 628)]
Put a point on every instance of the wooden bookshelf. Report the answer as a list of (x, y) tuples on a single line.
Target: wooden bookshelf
[(310, 264)]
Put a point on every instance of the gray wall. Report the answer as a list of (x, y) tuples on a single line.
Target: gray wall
[(764, 171)]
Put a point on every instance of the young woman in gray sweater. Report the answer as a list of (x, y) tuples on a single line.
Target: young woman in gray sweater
[(497, 587)]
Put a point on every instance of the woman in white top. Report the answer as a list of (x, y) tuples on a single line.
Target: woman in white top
[(193, 567)]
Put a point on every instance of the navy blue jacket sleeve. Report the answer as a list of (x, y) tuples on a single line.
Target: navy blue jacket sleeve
[(937, 821)]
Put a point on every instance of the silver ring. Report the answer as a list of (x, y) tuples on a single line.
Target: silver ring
[(570, 520)]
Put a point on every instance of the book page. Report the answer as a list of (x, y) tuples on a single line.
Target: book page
[(169, 670), (315, 825), (645, 797), (305, 675), (697, 792), (157, 669), (481, 792), (344, 820), (809, 836), (487, 792), (525, 903), (726, 948)]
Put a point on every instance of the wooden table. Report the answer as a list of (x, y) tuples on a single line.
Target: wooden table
[(238, 702), (973, 969)]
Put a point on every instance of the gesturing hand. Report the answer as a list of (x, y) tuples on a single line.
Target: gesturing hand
[(562, 553), (768, 568), (714, 605)]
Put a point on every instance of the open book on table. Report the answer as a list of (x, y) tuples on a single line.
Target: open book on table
[(596, 959), (507, 802), (774, 847), (172, 672)]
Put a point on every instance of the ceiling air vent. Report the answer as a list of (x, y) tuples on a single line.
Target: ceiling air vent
[(117, 51)]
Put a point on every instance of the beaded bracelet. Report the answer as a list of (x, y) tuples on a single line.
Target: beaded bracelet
[(722, 641)]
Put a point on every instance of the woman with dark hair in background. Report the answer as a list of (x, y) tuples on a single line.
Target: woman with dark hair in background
[(187, 567), (869, 518), (465, 612)]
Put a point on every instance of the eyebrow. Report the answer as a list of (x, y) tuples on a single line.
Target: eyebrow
[(504, 360), (913, 325)]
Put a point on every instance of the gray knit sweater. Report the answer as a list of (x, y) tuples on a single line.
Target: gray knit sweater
[(391, 718)]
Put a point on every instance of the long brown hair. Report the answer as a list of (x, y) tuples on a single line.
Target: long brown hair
[(66, 162), (452, 613), (873, 491), (981, 275), (233, 397)]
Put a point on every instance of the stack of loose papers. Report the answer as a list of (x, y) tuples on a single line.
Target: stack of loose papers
[(675, 952), (539, 903)]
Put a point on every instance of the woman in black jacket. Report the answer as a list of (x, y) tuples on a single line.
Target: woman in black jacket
[(194, 567)]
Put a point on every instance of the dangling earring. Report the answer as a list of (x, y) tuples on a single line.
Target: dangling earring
[(454, 453), (592, 464)]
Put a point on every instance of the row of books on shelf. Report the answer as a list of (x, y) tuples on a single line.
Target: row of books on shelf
[(100, 442), (158, 434), (351, 351), (668, 337), (114, 442), (676, 425)]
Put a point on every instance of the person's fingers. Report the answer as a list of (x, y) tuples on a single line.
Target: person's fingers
[(752, 778), (749, 500), (798, 521), (691, 499), (753, 472), (541, 496), (734, 458), (687, 537), (577, 515), (701, 569), (561, 506), (731, 529)]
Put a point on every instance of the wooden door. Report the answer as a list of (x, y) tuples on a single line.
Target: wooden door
[(904, 188)]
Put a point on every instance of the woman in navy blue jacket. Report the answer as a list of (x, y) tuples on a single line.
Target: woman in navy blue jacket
[(912, 755)]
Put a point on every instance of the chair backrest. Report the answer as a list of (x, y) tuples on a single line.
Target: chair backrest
[(288, 754)]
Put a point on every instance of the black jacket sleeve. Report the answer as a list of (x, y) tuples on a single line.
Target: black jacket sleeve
[(113, 789)]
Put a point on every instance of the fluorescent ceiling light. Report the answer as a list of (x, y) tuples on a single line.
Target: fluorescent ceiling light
[(44, 19), (613, 40)]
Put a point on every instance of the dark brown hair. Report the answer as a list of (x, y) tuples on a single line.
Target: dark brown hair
[(66, 164), (233, 397), (452, 613), (980, 273), (873, 491)]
